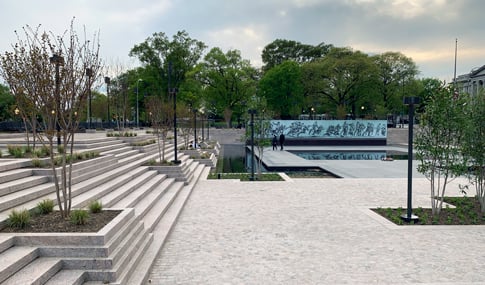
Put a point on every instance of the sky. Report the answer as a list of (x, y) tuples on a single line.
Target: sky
[(424, 30)]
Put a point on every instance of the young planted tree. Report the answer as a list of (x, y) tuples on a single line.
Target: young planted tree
[(473, 144), (48, 76), (437, 142), (161, 117)]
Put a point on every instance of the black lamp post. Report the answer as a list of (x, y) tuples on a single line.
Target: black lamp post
[(57, 60), (252, 112), (409, 217), (107, 80), (137, 111), (89, 74), (195, 128), (173, 92)]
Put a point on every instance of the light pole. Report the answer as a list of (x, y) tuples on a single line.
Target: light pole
[(409, 217), (195, 128), (137, 112), (89, 74), (57, 60), (107, 80), (202, 115), (173, 92), (252, 112)]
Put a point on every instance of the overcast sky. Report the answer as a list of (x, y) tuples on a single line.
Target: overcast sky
[(424, 30)]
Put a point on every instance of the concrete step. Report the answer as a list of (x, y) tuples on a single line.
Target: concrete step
[(21, 184), (14, 259), (66, 276), (161, 205), (149, 180), (38, 271), (126, 154), (6, 242), (14, 174), (116, 150), (125, 270), (143, 197), (94, 193), (97, 143), (125, 265), (161, 231), (19, 198)]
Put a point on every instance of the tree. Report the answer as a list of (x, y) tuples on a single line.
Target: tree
[(334, 79), (157, 51), (228, 81), (161, 117), (7, 103), (46, 74), (473, 144), (395, 71), (282, 88), (281, 50), (437, 142)]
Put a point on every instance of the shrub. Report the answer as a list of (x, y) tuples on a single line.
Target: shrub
[(36, 162), (18, 219), (45, 206), (60, 149), (27, 149), (46, 151), (15, 151), (95, 207), (151, 162), (79, 217)]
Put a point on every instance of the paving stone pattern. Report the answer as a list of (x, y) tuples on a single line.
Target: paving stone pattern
[(314, 231)]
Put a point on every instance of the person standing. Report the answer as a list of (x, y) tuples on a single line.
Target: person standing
[(282, 140), (275, 142)]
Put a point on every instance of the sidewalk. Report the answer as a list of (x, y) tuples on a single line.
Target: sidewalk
[(314, 231)]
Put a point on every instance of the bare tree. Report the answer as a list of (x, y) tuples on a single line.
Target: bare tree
[(161, 117), (47, 75)]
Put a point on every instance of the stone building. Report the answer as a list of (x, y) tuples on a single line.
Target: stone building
[(472, 82)]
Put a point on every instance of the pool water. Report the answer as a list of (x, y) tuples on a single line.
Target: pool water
[(341, 155)]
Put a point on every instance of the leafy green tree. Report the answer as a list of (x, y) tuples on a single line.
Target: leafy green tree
[(7, 104), (281, 50), (395, 73), (334, 79), (282, 89), (437, 142), (228, 81), (158, 51), (473, 144)]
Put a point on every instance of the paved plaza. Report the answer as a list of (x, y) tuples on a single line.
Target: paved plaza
[(316, 231)]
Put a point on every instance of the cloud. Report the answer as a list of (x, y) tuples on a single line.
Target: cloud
[(424, 30)]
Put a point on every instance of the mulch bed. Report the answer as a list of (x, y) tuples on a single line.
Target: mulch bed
[(467, 212), (54, 223)]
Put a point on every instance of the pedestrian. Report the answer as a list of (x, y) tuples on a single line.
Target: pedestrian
[(275, 142), (282, 140)]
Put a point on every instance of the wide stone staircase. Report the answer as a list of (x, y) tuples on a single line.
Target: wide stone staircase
[(150, 200)]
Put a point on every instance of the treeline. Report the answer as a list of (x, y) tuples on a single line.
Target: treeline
[(295, 79)]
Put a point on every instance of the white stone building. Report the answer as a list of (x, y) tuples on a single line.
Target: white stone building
[(472, 82)]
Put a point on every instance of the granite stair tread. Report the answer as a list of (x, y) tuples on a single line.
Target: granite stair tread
[(151, 179), (68, 276), (36, 272), (14, 259), (14, 174), (99, 191), (21, 183)]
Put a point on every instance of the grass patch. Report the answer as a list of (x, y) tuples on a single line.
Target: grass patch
[(466, 212)]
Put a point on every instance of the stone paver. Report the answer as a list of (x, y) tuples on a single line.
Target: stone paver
[(314, 231)]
